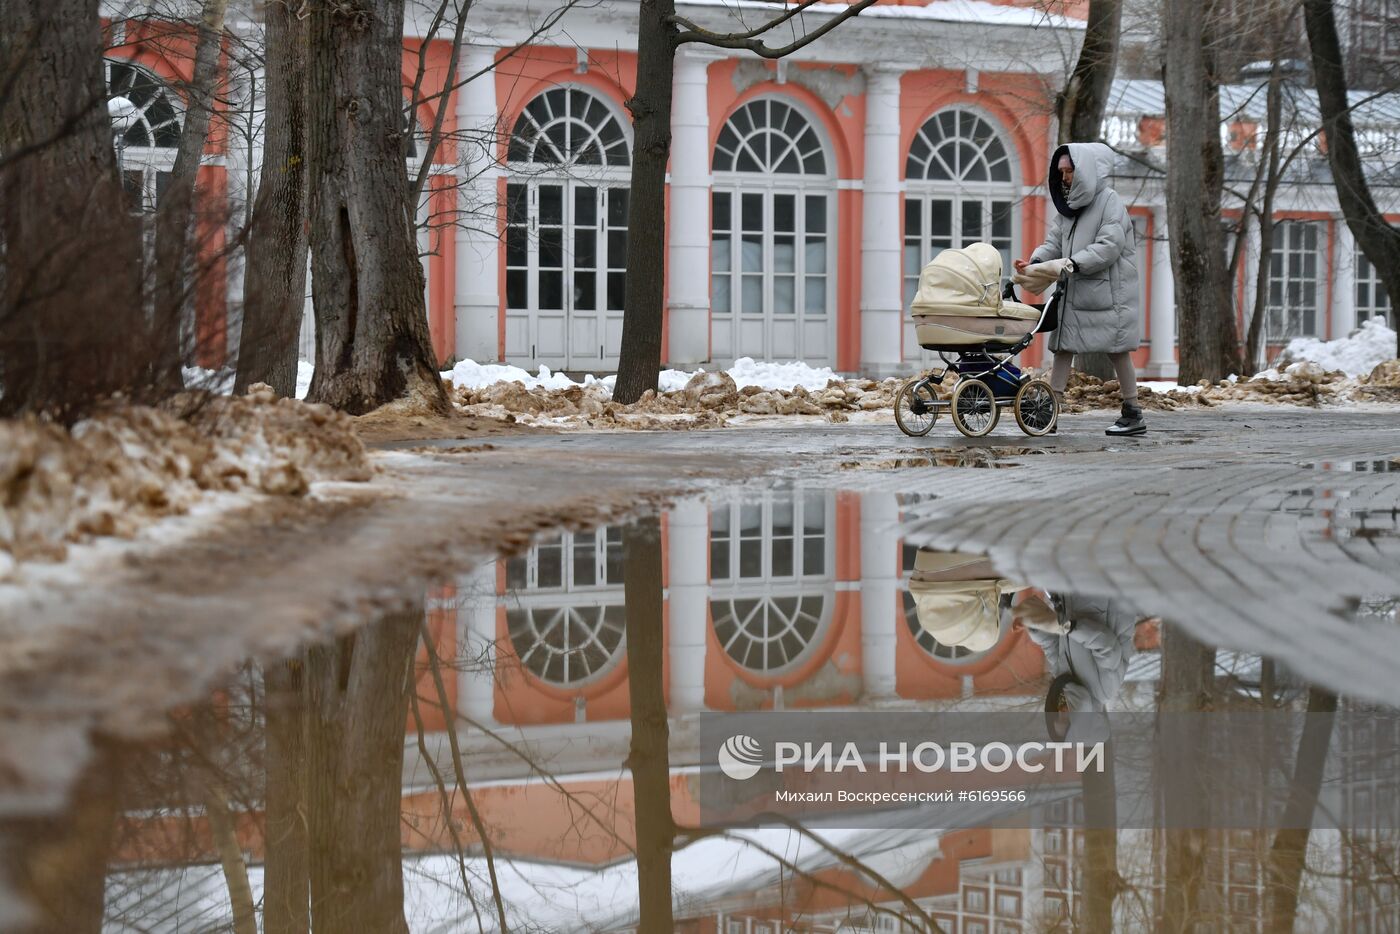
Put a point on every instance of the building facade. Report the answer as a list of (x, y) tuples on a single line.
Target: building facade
[(804, 195)]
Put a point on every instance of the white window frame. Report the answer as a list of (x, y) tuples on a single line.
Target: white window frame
[(1378, 303), (768, 184), (521, 343), (1286, 319), (917, 249), (727, 588)]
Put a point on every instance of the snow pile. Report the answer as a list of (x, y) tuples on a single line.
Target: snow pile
[(115, 472), (220, 381), (1357, 355), (746, 372), (703, 399)]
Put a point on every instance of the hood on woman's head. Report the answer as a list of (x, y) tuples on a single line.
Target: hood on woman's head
[(1093, 163)]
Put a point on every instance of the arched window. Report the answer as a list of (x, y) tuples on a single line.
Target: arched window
[(958, 146), (769, 136), (772, 216), (566, 232), (960, 189), (156, 122), (567, 127), (770, 572), (146, 149), (566, 610)]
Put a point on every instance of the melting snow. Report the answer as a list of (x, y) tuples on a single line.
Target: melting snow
[(1357, 355), (468, 374)]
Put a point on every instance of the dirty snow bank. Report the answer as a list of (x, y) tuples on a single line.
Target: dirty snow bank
[(1370, 346), (120, 470), (746, 372), (220, 382), (702, 399)]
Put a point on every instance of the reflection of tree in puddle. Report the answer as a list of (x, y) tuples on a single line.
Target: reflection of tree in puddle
[(549, 777)]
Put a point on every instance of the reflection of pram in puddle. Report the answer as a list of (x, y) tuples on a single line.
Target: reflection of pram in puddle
[(962, 602), (960, 308)]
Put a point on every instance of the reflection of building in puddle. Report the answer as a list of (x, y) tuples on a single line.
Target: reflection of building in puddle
[(789, 599)]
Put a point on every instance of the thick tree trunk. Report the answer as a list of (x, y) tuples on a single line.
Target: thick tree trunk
[(649, 755), (1194, 181), (1184, 688), (71, 324), (275, 279), (286, 909), (639, 362), (175, 266), (372, 342), (1377, 239), (356, 707), (59, 864), (1287, 856)]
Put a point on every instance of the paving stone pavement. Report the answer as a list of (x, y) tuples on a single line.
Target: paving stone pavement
[(1261, 529)]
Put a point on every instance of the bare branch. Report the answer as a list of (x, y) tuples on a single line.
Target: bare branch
[(756, 46)]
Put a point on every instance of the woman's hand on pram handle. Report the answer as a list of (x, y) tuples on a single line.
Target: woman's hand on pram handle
[(1020, 264)]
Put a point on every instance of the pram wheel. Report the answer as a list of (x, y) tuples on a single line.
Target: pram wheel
[(975, 411), (916, 407), (1037, 409)]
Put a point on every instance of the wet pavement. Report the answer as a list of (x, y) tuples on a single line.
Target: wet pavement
[(553, 764)]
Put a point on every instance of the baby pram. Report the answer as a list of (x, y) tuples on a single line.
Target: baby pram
[(962, 309)]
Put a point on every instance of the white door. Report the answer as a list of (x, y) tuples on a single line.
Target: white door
[(566, 249)]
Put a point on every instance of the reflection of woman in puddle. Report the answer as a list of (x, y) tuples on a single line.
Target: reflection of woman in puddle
[(958, 598), (1087, 643)]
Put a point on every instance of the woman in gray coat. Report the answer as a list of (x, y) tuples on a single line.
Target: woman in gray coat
[(1093, 242)]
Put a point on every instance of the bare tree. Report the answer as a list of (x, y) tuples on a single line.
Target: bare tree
[(649, 755), (1285, 868), (176, 209), (356, 693), (277, 244), (1080, 107), (372, 342), (70, 315), (1377, 238), (1195, 178), (660, 32)]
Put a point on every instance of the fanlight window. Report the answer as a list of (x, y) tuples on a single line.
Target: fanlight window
[(958, 146), (767, 633), (771, 137), (567, 619), (769, 567), (566, 645), (569, 127), (156, 122)]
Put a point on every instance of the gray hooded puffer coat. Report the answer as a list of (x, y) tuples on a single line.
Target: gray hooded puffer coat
[(1096, 651), (1099, 312)]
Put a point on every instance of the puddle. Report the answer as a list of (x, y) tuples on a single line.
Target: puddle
[(1381, 465), (508, 746)]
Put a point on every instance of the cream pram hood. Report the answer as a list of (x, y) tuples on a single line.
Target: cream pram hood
[(966, 283)]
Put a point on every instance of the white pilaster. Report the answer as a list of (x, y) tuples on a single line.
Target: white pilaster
[(477, 292), (881, 302), (1161, 363), (476, 644), (688, 601), (688, 289), (1343, 280), (879, 592)]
